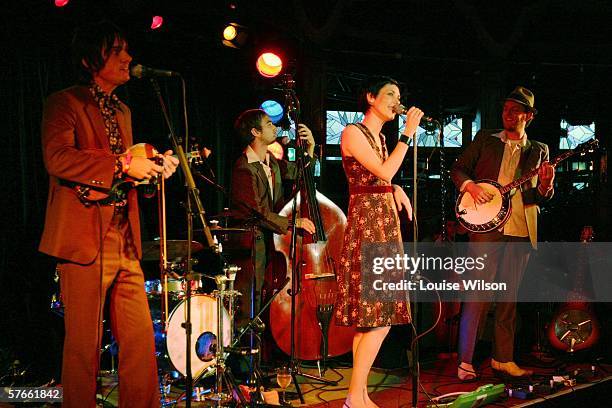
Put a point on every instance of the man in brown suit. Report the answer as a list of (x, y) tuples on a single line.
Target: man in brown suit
[(257, 185), (502, 156), (85, 133)]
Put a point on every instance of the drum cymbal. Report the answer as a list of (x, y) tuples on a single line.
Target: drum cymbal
[(226, 213), (175, 249), (215, 229)]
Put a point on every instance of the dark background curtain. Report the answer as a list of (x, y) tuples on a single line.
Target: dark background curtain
[(443, 66)]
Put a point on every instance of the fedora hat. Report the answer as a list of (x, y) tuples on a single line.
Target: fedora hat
[(523, 96)]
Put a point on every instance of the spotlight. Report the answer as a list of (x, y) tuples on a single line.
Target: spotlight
[(229, 33), (273, 109), (61, 3), (234, 35), (157, 22), (269, 65)]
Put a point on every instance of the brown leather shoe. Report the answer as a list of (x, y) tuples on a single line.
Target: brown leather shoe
[(510, 368)]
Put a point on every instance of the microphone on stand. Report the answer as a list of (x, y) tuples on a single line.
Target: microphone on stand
[(140, 71), (401, 110)]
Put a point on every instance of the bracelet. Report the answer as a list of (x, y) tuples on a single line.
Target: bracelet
[(127, 160), (403, 139)]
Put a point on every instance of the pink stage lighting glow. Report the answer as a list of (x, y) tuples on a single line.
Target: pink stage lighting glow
[(61, 3), (157, 22)]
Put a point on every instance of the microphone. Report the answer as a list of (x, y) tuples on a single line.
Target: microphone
[(401, 110), (139, 71)]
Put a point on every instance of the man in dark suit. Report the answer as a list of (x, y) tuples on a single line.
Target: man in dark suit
[(257, 193), (85, 133), (503, 156)]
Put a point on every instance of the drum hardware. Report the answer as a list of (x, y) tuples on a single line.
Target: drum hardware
[(223, 374), (174, 249), (255, 327)]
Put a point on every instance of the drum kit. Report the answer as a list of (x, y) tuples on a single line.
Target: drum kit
[(213, 309)]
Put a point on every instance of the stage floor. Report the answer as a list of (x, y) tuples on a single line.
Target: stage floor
[(393, 388)]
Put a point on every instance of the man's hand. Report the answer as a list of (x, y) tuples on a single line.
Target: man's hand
[(306, 136), (546, 175), (305, 224), (170, 163), (479, 194), (402, 201), (141, 168)]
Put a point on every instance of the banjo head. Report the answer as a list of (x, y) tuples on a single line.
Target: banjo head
[(482, 217)]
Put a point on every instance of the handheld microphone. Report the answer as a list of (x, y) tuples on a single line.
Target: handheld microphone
[(139, 71), (401, 110)]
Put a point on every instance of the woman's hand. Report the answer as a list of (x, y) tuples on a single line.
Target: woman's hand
[(413, 118), (402, 201)]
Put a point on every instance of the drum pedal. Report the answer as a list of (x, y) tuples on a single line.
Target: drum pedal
[(242, 351)]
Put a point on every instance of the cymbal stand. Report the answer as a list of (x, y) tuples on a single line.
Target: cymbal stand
[(225, 288)]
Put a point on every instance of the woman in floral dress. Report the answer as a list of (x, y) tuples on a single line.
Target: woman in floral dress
[(372, 218)]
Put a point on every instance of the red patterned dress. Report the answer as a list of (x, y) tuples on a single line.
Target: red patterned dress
[(372, 218)]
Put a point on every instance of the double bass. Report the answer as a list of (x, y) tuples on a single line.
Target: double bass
[(312, 273)]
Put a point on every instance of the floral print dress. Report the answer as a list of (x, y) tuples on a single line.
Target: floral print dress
[(372, 218)]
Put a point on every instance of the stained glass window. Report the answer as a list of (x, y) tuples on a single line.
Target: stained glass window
[(572, 136), (476, 124), (337, 121), (428, 136), (290, 133)]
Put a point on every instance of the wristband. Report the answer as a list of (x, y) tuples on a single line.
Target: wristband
[(403, 139)]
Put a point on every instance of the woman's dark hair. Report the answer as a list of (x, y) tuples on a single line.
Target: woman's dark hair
[(372, 85), (87, 45), (248, 120)]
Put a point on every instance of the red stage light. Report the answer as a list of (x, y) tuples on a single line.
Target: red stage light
[(269, 65), (157, 22), (61, 3)]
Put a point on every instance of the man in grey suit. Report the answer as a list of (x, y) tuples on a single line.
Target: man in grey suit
[(503, 156)]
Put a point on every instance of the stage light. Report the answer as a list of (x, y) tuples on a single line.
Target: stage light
[(61, 3), (273, 109), (277, 150), (269, 65), (229, 33), (157, 22), (234, 35)]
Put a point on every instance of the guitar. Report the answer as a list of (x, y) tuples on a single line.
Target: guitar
[(481, 218), (89, 195), (575, 326)]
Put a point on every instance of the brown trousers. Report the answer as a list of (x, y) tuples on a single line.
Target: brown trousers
[(506, 262), (84, 292)]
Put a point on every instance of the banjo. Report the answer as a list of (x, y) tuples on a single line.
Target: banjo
[(481, 218)]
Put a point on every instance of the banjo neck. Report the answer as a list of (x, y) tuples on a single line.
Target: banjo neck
[(516, 183)]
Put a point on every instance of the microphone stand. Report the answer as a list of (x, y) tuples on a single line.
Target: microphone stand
[(416, 277), (193, 197)]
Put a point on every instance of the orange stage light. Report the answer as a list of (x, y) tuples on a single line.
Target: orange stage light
[(269, 65)]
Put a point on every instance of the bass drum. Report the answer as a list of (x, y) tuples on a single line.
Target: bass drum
[(203, 337)]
